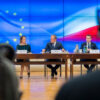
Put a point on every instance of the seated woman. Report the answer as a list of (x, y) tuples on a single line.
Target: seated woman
[(23, 46)]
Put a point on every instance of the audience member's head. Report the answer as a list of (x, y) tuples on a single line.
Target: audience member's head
[(86, 87), (7, 51), (9, 87)]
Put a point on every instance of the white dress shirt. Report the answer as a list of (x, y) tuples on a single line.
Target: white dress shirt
[(54, 44), (88, 44)]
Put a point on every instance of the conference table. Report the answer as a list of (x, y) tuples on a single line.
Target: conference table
[(64, 60), (74, 61), (44, 56)]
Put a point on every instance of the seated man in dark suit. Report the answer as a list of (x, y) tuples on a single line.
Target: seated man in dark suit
[(53, 45), (88, 45)]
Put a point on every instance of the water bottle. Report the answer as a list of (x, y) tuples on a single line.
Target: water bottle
[(76, 49), (84, 49)]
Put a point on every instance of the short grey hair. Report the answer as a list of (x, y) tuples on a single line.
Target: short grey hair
[(54, 36)]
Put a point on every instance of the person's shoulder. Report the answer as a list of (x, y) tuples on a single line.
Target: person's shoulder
[(90, 78), (82, 85), (27, 44), (83, 81), (17, 45), (93, 43), (59, 43), (84, 43), (48, 43)]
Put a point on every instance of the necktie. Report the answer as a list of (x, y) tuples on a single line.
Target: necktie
[(89, 46), (53, 45)]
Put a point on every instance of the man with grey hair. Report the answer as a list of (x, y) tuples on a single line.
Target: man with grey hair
[(53, 45)]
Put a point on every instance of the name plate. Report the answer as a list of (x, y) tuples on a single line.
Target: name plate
[(94, 51), (56, 51), (80, 51), (21, 52)]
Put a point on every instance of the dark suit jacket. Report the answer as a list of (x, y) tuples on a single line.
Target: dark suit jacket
[(49, 46), (93, 45), (82, 88)]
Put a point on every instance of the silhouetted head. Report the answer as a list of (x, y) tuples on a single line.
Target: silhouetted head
[(7, 51), (9, 87)]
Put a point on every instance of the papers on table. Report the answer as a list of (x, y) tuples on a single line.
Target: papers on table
[(55, 52), (58, 52), (21, 52), (94, 51), (91, 51)]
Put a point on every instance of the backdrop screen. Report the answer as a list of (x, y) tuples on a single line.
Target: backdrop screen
[(70, 20)]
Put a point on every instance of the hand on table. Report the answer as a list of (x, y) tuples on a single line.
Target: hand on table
[(63, 50), (43, 50)]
